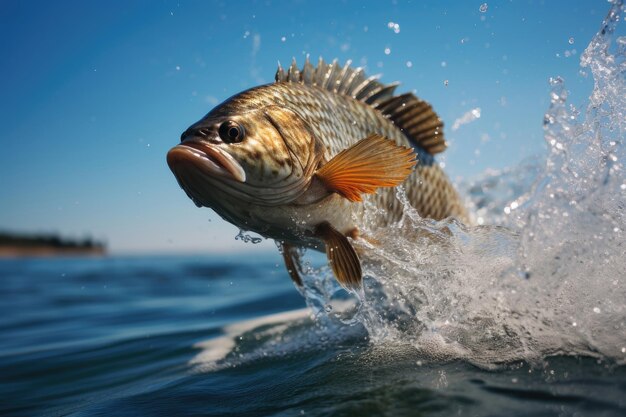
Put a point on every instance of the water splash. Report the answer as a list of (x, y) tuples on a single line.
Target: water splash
[(545, 272), (247, 237), (467, 117)]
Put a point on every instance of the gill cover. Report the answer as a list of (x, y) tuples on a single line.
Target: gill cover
[(279, 155)]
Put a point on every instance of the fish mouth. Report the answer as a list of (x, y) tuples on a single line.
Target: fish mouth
[(208, 159)]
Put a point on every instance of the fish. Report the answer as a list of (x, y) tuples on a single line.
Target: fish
[(299, 159)]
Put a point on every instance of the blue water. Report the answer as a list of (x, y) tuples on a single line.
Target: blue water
[(151, 336)]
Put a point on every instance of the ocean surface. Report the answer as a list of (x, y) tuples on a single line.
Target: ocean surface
[(231, 336), (523, 313)]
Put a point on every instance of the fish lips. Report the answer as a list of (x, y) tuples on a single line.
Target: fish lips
[(208, 159)]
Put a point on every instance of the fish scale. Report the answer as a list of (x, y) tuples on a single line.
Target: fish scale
[(341, 121)]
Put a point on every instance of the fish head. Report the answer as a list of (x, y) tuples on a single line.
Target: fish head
[(264, 156)]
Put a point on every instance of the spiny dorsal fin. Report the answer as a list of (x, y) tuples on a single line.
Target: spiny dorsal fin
[(415, 117)]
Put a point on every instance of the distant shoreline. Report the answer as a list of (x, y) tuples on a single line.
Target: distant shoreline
[(14, 245), (47, 252)]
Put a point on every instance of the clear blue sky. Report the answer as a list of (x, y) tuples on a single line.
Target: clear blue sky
[(95, 93)]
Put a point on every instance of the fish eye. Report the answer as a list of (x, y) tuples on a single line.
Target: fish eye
[(231, 132)]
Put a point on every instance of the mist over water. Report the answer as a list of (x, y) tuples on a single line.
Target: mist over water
[(542, 271)]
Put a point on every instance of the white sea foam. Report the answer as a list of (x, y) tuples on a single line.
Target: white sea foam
[(213, 352)]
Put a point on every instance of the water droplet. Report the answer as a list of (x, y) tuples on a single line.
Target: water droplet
[(571, 40), (283, 39), (247, 238), (387, 51), (444, 64), (596, 310), (445, 82), (483, 7), (177, 67), (394, 26), (409, 64)]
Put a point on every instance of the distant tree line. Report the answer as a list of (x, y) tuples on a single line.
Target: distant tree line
[(47, 240)]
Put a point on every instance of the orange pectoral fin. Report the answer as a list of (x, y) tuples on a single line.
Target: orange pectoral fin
[(369, 164)]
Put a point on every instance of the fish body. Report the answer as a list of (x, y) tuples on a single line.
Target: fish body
[(292, 161)]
